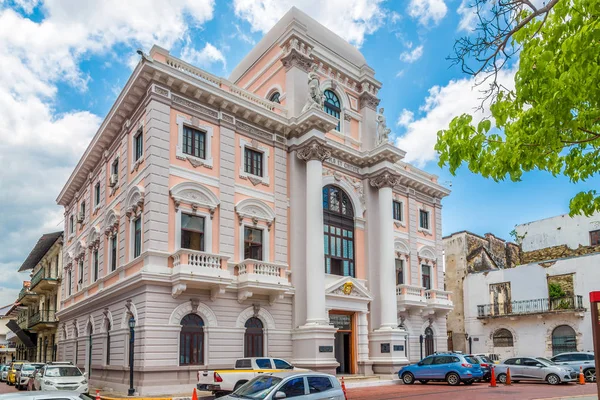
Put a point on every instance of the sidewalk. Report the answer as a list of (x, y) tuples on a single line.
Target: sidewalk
[(586, 397)]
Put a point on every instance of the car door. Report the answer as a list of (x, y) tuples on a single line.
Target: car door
[(293, 387), (439, 367), (423, 369), (533, 369), (514, 364), (320, 387)]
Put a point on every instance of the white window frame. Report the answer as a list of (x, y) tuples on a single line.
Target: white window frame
[(208, 131), (95, 256), (98, 196), (266, 241), (399, 222), (256, 146), (80, 271), (207, 227), (431, 280), (420, 228), (109, 269), (132, 235), (404, 263), (332, 86), (135, 163), (71, 225)]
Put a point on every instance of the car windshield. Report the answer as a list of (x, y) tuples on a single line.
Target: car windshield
[(472, 360), (545, 361), (486, 360), (55, 372), (257, 388), (29, 367)]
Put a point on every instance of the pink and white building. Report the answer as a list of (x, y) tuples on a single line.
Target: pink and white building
[(261, 215)]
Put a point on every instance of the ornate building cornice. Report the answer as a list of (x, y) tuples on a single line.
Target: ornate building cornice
[(297, 54), (385, 179), (315, 150), (368, 100)]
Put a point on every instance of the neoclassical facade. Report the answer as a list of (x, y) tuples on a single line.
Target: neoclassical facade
[(261, 215)]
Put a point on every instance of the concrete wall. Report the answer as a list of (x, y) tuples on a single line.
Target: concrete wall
[(558, 230)]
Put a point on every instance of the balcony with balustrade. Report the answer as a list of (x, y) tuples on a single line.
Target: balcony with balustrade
[(44, 281), (439, 300), (571, 304), (261, 277), (410, 298), (27, 297), (41, 320), (199, 270)]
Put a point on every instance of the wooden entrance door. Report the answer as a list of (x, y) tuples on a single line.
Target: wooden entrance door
[(345, 322)]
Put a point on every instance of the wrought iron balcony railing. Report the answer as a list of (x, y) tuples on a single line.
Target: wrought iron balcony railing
[(536, 306), (41, 317), (41, 274), (24, 292)]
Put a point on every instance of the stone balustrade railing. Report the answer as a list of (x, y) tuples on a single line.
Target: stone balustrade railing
[(261, 268), (404, 290), (199, 259), (442, 295)]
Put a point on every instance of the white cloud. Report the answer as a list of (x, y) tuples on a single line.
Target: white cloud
[(405, 118), (203, 58), (400, 73), (412, 56), (441, 105), (39, 147), (427, 11), (468, 16), (351, 19)]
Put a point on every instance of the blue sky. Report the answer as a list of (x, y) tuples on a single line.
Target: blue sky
[(65, 61)]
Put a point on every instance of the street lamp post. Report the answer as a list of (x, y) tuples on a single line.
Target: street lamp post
[(470, 339), (421, 345), (131, 390)]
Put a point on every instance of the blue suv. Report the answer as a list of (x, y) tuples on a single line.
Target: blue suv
[(453, 368)]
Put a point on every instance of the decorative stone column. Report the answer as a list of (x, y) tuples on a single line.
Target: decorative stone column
[(313, 342), (387, 343), (314, 154)]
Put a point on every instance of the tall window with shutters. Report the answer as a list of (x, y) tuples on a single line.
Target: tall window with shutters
[(253, 162), (194, 142), (253, 243), (426, 276), (192, 232)]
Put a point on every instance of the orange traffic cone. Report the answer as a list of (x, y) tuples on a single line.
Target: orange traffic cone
[(508, 383), (581, 377), (344, 388), (194, 395), (97, 394), (493, 378)]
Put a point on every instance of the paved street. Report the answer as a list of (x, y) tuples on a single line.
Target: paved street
[(4, 388), (437, 391)]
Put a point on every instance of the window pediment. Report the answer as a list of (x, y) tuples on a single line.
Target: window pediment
[(194, 194), (255, 210)]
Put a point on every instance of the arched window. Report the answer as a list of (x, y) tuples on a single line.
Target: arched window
[(429, 347), (563, 340), (332, 106), (191, 340), (274, 97), (503, 338), (254, 338), (338, 226)]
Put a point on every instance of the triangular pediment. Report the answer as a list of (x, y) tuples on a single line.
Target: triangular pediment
[(350, 287)]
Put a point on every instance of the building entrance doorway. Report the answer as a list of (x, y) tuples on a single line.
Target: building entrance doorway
[(345, 342)]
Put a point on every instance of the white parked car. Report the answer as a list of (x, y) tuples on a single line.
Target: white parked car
[(44, 396), (281, 385), (61, 376)]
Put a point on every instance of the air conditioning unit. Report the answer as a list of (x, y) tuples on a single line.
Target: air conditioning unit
[(114, 179), (80, 217)]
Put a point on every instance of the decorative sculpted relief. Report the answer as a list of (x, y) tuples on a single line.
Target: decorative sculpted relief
[(314, 151), (385, 179), (383, 132), (316, 98), (355, 183)]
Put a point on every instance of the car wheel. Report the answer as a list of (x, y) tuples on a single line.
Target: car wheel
[(501, 378), (453, 379), (408, 378), (553, 379), (590, 374), (423, 381)]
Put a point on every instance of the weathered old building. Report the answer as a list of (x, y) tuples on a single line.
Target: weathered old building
[(532, 298)]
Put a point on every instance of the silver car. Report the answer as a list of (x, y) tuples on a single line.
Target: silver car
[(576, 360), (534, 369), (44, 396), (3, 373), (280, 385)]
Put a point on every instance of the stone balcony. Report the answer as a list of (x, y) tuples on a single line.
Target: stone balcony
[(43, 282), (439, 300), (43, 320), (27, 297), (410, 298), (200, 270), (261, 277)]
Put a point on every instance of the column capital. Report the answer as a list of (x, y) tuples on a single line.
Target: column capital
[(295, 58), (314, 150), (385, 179)]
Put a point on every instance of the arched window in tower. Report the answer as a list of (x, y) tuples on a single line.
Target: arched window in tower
[(254, 338), (332, 106), (274, 97), (338, 226), (191, 340)]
